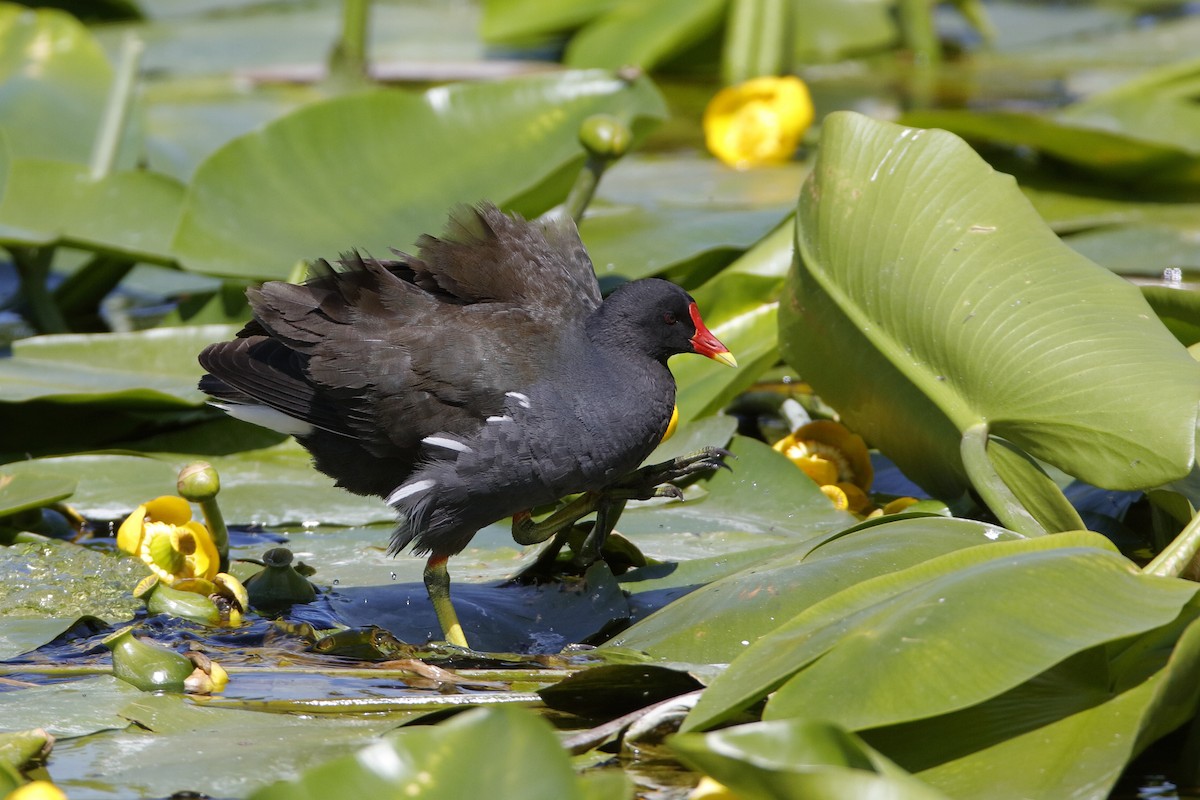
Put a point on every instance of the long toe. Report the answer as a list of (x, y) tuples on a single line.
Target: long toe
[(653, 480)]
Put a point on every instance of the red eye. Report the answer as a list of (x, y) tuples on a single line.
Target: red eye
[(669, 318)]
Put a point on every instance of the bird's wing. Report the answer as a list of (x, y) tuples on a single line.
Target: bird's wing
[(486, 256), (364, 351)]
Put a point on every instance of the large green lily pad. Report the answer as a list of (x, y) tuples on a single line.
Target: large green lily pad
[(377, 169), (928, 297)]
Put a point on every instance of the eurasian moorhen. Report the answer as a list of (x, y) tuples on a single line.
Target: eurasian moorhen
[(474, 382)]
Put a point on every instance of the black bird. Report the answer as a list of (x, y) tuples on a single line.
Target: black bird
[(473, 382)]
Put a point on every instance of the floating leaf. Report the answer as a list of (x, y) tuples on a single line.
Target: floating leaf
[(1096, 594), (31, 490), (744, 606), (130, 213), (278, 486), (1069, 732), (928, 297), (739, 306), (54, 80), (242, 750), (54, 579), (610, 690), (644, 34), (63, 710), (511, 753), (798, 758), (377, 169)]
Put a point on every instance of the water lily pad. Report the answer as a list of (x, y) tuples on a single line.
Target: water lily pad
[(129, 213), (786, 503), (1096, 595), (644, 34), (66, 710), (739, 305), (30, 490), (798, 758), (271, 487), (54, 80), (1067, 732), (964, 308), (511, 753), (377, 169), (219, 752), (155, 366), (56, 579), (610, 690), (21, 634), (743, 606), (683, 218)]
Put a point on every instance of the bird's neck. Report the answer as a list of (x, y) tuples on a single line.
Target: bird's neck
[(611, 332)]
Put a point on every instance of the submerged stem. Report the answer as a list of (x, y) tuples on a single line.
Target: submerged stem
[(33, 266), (1176, 556)]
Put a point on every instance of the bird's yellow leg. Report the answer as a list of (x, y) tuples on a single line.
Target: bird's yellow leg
[(437, 584), (607, 514), (526, 531)]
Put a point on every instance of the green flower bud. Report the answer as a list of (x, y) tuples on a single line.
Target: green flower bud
[(198, 481), (604, 136)]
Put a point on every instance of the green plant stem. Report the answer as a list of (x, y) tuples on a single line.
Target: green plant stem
[(80, 295), (33, 266), (116, 111), (374, 705), (1176, 556), (215, 522), (919, 31), (584, 188), (56, 670), (348, 61), (758, 40), (991, 487), (481, 675)]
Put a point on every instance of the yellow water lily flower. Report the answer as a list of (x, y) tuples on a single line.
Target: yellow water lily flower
[(758, 122), (37, 790), (900, 505), (164, 536), (711, 789), (829, 454)]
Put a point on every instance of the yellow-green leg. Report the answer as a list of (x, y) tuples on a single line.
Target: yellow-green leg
[(437, 584), (526, 531)]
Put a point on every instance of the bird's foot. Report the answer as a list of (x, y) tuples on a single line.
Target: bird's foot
[(525, 531), (661, 480)]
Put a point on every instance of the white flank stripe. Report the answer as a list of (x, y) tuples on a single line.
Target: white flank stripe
[(502, 418), (449, 444), (266, 417), (409, 489), (522, 399)]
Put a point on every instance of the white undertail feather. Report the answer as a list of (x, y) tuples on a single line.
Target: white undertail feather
[(522, 399), (449, 444), (266, 417), (409, 489)]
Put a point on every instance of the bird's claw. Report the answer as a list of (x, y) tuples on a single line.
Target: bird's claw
[(659, 480)]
